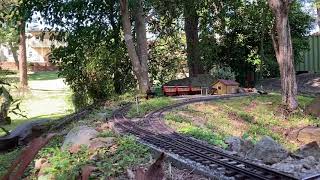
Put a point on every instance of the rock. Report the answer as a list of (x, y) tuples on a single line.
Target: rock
[(299, 167), (101, 143), (108, 140), (268, 151), (79, 136), (102, 116), (239, 145), (311, 149), (307, 134), (39, 163), (105, 126), (314, 107)]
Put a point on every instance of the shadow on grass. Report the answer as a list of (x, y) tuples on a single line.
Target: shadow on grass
[(52, 75)]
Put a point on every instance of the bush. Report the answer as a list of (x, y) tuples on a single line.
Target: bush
[(220, 72)]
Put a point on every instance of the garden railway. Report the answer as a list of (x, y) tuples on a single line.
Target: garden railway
[(153, 131)]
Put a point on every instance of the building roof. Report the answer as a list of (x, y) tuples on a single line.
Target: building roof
[(227, 82)]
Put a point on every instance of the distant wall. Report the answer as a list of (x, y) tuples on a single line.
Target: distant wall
[(311, 61), (33, 66)]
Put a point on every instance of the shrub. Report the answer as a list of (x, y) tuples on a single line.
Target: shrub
[(220, 72)]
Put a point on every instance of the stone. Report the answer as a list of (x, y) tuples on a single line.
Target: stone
[(79, 136), (236, 144), (102, 116), (299, 167), (268, 151), (311, 149), (38, 163), (105, 126), (307, 134), (314, 107), (101, 142)]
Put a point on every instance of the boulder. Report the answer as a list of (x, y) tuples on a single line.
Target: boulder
[(311, 149), (268, 151), (299, 167), (236, 144), (307, 134), (314, 107), (79, 136), (101, 143)]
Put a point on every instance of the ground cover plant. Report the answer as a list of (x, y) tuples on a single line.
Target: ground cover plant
[(246, 117), (111, 161), (146, 106)]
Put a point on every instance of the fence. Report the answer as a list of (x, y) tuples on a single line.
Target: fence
[(311, 61)]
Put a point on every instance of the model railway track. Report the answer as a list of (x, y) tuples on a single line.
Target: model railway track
[(209, 156), (229, 165)]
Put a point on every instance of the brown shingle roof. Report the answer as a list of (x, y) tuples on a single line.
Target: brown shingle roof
[(227, 82)]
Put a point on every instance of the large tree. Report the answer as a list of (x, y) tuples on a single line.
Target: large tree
[(17, 13), (282, 43), (191, 23), (138, 53)]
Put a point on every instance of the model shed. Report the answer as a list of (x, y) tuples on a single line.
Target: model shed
[(223, 86)]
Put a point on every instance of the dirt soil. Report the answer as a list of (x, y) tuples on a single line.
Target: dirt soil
[(307, 83)]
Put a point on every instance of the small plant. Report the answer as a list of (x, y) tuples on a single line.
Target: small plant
[(205, 135), (64, 165), (106, 133), (176, 118), (128, 153)]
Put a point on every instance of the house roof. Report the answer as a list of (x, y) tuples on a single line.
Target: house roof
[(227, 82)]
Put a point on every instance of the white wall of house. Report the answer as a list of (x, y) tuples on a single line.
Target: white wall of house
[(32, 54)]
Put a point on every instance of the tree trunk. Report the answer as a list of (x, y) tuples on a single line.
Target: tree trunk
[(282, 44), (191, 21), (14, 54), (23, 56), (138, 55)]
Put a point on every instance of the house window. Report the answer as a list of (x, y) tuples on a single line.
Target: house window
[(219, 87), (30, 54)]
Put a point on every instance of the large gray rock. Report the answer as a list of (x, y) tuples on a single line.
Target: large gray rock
[(311, 149), (299, 167), (268, 151), (236, 144), (79, 136)]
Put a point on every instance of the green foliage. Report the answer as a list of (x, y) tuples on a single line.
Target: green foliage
[(176, 118), (147, 106), (219, 72), (167, 58), (93, 61), (63, 164), (205, 135), (6, 160), (128, 153)]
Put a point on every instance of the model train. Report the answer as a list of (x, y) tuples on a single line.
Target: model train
[(180, 90)]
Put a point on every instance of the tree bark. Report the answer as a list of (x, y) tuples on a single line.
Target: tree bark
[(23, 56), (14, 54), (282, 43), (138, 55), (191, 21)]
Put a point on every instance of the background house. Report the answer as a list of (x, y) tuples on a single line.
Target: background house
[(38, 51)]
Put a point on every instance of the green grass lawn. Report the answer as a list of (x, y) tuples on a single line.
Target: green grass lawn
[(48, 97), (247, 117)]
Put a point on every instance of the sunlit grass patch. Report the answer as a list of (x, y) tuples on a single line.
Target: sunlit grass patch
[(253, 117), (146, 106)]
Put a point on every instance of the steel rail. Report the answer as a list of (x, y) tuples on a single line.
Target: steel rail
[(221, 160)]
